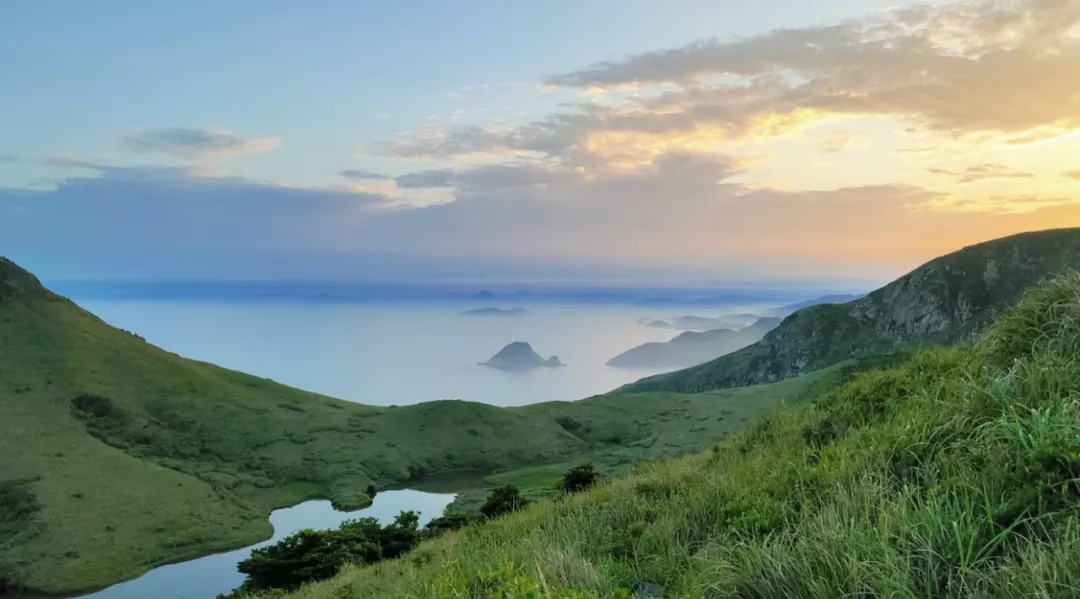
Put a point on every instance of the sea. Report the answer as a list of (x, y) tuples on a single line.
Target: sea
[(399, 354)]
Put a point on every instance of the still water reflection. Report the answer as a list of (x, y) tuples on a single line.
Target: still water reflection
[(205, 577)]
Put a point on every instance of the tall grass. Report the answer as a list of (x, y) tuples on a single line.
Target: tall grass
[(952, 475)]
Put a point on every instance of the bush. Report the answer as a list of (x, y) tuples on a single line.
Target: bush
[(18, 507), (311, 555), (444, 524), (503, 500), (579, 478)]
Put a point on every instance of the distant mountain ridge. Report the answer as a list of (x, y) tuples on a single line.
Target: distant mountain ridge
[(825, 299), (693, 347), (497, 312), (943, 301), (702, 323)]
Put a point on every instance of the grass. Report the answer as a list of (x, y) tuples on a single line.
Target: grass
[(953, 474), (120, 456)]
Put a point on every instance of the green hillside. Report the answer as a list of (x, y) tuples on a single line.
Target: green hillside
[(119, 456), (955, 474), (693, 347), (943, 301)]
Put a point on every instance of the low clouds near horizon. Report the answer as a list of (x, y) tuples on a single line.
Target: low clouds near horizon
[(185, 142), (863, 146)]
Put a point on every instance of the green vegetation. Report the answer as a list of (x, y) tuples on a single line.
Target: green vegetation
[(579, 479), (312, 555), (693, 347), (944, 301), (953, 474), (502, 501), (119, 456)]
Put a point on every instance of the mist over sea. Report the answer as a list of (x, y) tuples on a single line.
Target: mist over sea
[(398, 353)]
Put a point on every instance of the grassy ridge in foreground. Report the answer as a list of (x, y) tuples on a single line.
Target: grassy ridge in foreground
[(119, 456), (952, 475)]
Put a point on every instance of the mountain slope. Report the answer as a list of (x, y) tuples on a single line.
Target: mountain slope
[(118, 456), (839, 298), (123, 456), (953, 475), (943, 301), (692, 347)]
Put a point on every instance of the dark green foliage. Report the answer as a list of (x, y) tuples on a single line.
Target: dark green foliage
[(503, 500), (579, 478), (311, 555), (18, 507), (445, 523), (371, 491)]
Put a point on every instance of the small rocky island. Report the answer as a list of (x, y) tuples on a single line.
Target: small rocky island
[(520, 356), (496, 312)]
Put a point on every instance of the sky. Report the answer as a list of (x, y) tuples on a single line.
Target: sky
[(688, 141)]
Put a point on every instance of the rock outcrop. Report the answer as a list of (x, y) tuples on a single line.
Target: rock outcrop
[(520, 356)]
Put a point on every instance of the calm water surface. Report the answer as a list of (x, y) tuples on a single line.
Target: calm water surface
[(398, 354), (206, 577)]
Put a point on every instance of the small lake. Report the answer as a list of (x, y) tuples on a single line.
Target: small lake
[(205, 577)]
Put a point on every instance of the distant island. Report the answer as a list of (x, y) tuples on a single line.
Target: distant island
[(702, 323), (520, 356), (491, 311), (692, 348), (825, 299)]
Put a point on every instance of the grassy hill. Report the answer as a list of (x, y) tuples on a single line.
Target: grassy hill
[(954, 474), (943, 301), (693, 347), (119, 456)]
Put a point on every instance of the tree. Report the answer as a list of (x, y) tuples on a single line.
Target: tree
[(399, 537), (579, 478), (371, 490), (311, 555), (444, 524), (503, 500)]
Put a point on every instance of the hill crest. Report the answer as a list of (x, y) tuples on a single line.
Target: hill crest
[(945, 300)]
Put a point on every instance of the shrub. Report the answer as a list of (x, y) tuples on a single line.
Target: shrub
[(18, 507), (311, 555), (579, 478), (503, 500), (444, 524)]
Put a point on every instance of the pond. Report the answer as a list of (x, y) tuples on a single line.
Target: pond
[(206, 577)]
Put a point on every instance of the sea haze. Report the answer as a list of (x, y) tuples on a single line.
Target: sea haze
[(397, 345), (399, 354)]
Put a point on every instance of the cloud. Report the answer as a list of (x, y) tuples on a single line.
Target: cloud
[(655, 166), (69, 162), (1073, 175), (1002, 205), (191, 143), (1002, 67), (982, 172), (830, 144), (683, 211), (360, 175)]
